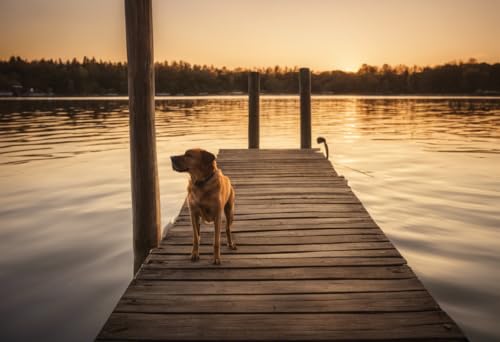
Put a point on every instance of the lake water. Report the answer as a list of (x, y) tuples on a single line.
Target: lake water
[(426, 168)]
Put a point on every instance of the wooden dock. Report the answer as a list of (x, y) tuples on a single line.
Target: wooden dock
[(311, 265)]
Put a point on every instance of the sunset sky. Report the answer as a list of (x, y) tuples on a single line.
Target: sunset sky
[(321, 34)]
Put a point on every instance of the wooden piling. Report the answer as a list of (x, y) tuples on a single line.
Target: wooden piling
[(253, 109), (141, 91), (305, 107)]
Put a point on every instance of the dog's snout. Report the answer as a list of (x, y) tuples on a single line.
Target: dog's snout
[(178, 164)]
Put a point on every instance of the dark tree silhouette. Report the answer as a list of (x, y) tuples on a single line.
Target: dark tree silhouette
[(92, 77)]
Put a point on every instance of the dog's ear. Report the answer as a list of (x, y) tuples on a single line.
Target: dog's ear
[(207, 157)]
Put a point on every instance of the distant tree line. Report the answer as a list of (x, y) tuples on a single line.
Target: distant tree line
[(92, 77)]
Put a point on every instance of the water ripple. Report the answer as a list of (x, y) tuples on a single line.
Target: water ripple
[(426, 168)]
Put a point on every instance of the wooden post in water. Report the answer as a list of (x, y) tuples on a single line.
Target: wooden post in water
[(253, 109), (305, 107), (141, 91)]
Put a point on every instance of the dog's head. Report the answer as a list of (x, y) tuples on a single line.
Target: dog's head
[(196, 161)]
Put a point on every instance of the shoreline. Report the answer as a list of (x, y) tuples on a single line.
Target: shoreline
[(244, 96)]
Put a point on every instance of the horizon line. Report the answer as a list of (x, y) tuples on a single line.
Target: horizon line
[(470, 60)]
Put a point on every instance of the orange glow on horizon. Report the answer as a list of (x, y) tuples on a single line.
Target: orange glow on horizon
[(323, 35)]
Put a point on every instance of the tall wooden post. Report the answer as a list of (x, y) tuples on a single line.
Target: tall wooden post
[(253, 109), (305, 107), (141, 91)]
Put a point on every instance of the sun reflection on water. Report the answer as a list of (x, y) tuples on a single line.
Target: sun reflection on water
[(426, 168)]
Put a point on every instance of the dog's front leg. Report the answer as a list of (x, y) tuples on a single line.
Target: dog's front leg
[(217, 224), (195, 221)]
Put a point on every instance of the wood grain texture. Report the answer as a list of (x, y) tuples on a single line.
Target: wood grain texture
[(141, 92), (294, 303), (305, 107), (411, 326), (253, 109), (311, 265)]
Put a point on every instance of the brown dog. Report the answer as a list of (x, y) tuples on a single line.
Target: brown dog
[(209, 194)]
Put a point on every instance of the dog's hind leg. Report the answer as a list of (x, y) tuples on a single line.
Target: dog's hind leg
[(196, 222), (229, 212), (217, 224)]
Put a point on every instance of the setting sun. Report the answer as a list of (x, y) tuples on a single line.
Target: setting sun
[(324, 35)]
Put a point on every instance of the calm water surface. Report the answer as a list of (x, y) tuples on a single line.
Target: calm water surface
[(427, 169)]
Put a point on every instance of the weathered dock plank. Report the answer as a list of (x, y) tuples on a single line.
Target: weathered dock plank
[(311, 265)]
